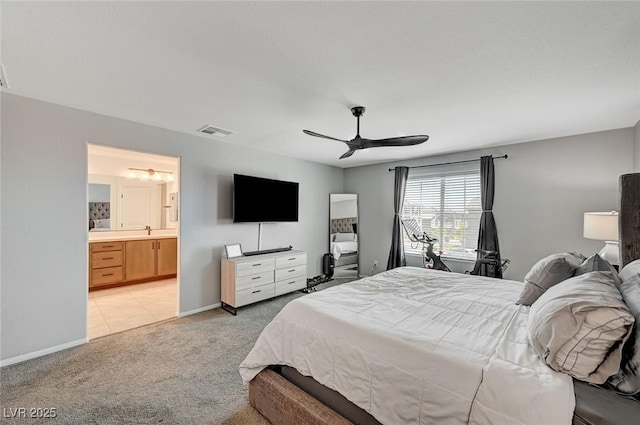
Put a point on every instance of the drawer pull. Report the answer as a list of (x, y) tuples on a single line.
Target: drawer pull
[(107, 274), (108, 258), (292, 270), (291, 283), (255, 292), (257, 264), (256, 278), (291, 259), (107, 246)]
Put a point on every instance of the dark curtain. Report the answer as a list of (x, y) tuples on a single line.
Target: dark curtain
[(488, 234), (396, 254)]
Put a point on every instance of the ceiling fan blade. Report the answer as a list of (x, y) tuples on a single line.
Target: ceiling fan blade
[(347, 154), (394, 141), (312, 133)]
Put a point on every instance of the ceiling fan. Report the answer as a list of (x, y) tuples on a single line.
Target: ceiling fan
[(358, 142)]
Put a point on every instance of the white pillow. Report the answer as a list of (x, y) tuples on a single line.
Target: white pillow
[(345, 237), (579, 327), (102, 223), (629, 270)]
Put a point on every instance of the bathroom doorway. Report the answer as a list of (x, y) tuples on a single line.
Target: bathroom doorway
[(133, 236)]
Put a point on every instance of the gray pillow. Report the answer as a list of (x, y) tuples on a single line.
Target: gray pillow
[(627, 380), (595, 263), (547, 272), (629, 270), (579, 326)]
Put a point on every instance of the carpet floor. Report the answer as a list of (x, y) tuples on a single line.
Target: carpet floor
[(180, 371)]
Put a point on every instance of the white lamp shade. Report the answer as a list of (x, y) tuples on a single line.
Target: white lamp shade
[(602, 226)]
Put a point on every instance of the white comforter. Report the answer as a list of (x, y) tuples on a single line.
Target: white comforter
[(417, 346)]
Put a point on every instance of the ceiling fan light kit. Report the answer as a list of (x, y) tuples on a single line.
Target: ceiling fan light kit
[(358, 143)]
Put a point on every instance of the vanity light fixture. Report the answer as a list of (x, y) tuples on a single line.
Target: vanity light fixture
[(150, 174)]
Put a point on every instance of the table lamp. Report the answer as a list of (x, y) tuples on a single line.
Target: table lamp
[(603, 226)]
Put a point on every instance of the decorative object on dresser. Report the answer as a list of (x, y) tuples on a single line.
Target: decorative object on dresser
[(233, 250), (124, 262), (246, 280)]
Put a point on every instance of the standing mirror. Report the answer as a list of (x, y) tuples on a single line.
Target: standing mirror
[(343, 234)]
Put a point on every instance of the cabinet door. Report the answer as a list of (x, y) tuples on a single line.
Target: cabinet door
[(167, 250), (140, 259)]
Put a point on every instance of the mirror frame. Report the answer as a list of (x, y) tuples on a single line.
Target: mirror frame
[(344, 261)]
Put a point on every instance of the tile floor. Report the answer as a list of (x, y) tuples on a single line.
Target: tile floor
[(127, 307)]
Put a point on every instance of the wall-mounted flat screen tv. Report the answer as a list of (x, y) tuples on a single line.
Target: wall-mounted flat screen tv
[(256, 200)]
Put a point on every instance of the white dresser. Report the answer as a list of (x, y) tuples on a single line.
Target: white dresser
[(246, 280)]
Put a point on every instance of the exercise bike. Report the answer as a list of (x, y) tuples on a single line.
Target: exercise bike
[(495, 266), (430, 259)]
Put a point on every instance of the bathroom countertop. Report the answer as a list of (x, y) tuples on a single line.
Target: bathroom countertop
[(130, 235)]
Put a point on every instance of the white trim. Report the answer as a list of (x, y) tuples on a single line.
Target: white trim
[(199, 310), (40, 353)]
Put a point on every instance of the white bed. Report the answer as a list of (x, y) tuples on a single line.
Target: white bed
[(393, 345), (338, 249)]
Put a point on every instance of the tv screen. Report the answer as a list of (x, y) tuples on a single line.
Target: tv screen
[(256, 199)]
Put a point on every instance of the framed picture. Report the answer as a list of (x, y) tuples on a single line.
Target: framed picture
[(234, 250)]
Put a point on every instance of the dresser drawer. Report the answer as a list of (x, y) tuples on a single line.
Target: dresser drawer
[(290, 285), (253, 267), (106, 246), (106, 259), (251, 295), (289, 272), (291, 260), (106, 275), (254, 280)]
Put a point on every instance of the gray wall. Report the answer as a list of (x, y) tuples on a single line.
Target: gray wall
[(99, 192), (542, 191), (44, 196), (636, 156)]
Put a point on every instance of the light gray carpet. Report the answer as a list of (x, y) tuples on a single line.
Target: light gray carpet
[(181, 371)]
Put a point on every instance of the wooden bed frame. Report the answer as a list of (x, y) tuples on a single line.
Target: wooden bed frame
[(282, 403)]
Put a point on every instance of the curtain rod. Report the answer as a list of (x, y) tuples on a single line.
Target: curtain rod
[(505, 156)]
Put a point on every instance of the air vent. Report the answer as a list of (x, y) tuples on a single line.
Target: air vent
[(215, 131), (3, 79)]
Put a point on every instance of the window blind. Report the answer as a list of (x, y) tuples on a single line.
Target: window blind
[(447, 207)]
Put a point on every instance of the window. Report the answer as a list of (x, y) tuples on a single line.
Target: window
[(448, 207)]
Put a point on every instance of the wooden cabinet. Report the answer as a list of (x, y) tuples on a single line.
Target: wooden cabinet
[(141, 259), (151, 258), (132, 261), (245, 280), (167, 252), (105, 263)]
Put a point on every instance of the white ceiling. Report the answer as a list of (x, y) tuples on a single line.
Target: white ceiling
[(470, 75), (104, 160)]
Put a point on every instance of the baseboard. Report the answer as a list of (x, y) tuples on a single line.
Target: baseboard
[(199, 310), (40, 353)]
